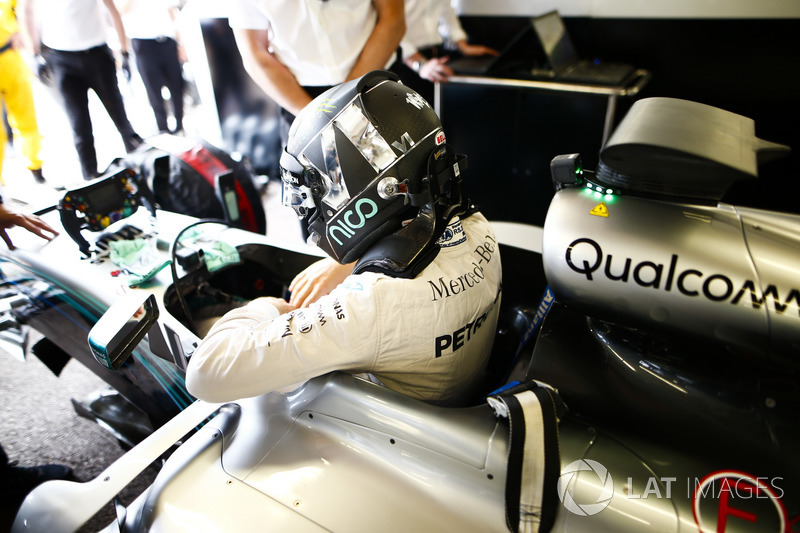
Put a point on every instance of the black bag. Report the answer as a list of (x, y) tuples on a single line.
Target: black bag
[(195, 178)]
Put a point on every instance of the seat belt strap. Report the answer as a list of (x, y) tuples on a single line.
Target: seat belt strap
[(534, 464)]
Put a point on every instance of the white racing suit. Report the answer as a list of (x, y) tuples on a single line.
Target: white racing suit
[(429, 337)]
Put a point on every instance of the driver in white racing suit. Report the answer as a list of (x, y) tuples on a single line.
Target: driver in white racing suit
[(368, 164)]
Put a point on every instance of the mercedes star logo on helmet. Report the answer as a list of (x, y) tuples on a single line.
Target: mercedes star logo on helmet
[(566, 486)]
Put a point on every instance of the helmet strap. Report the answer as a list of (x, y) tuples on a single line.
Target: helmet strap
[(406, 252)]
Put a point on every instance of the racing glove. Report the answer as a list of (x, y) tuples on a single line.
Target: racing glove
[(126, 66), (43, 71)]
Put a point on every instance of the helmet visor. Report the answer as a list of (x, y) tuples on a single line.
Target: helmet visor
[(364, 136)]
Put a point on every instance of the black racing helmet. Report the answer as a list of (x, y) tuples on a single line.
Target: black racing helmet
[(361, 159)]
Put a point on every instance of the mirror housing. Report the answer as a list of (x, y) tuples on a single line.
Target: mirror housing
[(114, 337)]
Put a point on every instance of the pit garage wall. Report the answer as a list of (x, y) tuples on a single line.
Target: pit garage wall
[(739, 55)]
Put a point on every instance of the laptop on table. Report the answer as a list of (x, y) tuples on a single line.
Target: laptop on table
[(564, 61)]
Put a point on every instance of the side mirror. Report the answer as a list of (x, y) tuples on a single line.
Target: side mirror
[(113, 338)]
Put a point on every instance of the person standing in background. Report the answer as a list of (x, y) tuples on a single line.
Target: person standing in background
[(297, 50), (16, 92), (433, 31), (69, 37), (151, 27)]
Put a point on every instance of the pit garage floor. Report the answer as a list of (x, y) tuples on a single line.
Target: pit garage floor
[(39, 426)]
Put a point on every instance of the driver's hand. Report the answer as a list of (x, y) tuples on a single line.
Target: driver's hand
[(280, 304), (317, 280)]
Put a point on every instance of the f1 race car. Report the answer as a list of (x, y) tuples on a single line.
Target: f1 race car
[(644, 375)]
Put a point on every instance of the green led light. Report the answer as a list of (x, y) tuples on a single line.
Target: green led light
[(597, 194)]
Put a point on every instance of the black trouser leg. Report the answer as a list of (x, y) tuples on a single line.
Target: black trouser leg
[(73, 90), (148, 65), (173, 79), (103, 80), (158, 65)]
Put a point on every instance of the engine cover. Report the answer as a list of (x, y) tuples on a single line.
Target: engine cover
[(724, 273)]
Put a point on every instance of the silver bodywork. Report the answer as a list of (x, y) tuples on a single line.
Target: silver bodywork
[(309, 461), (342, 454), (724, 273)]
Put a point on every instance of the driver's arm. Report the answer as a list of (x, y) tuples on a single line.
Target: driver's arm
[(259, 348)]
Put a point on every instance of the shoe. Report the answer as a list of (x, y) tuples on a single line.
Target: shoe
[(37, 175)]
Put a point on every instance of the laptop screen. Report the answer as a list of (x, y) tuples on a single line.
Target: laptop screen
[(554, 38)]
